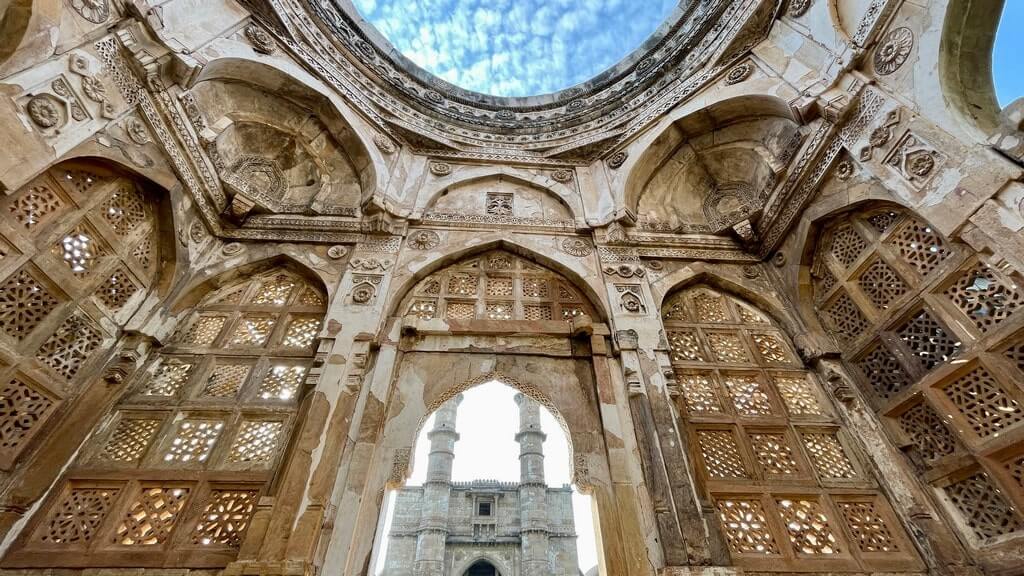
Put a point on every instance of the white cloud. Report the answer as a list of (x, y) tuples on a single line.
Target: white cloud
[(515, 47)]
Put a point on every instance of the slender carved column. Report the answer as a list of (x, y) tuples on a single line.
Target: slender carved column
[(433, 530), (532, 489)]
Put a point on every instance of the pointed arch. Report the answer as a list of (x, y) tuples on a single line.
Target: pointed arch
[(555, 264)]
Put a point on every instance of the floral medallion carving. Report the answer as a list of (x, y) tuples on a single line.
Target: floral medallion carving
[(424, 240), (260, 40), (893, 50), (43, 111), (915, 159), (562, 176), (845, 170), (363, 293), (615, 161), (384, 144), (95, 11), (798, 8), (579, 247), (440, 168), (136, 131), (337, 252), (739, 73), (232, 248), (94, 89), (920, 163), (197, 232)]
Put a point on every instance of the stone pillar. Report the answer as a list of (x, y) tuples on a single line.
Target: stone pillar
[(533, 490), (433, 530)]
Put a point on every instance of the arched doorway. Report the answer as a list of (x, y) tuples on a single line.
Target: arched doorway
[(482, 568)]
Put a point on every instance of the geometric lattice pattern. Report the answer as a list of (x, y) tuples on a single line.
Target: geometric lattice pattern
[(70, 346), (170, 378), (225, 518), (256, 442), (919, 245), (846, 320), (983, 506), (923, 427), (226, 380), (728, 347), (798, 394), (24, 303), (151, 517), (274, 291), (116, 290), (930, 343), (771, 348), (684, 346), (35, 205), (868, 527), (721, 454), (130, 440), (774, 454), (23, 409), (884, 372), (808, 527), (828, 456), (204, 330), (746, 527), (881, 284), (281, 382), (699, 393), (301, 332), (983, 402), (748, 395), (983, 297), (193, 441), (847, 245), (125, 210), (252, 331), (75, 519)]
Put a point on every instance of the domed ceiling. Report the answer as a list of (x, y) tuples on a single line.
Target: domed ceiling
[(515, 47)]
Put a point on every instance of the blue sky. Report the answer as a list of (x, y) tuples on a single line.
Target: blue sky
[(1006, 63), (516, 47)]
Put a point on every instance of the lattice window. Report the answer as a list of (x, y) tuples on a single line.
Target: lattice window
[(79, 249), (771, 348), (204, 330), (773, 453), (35, 205), (846, 320), (24, 303), (274, 291), (699, 393), (925, 429), (117, 289), (919, 245), (828, 456), (77, 517), (984, 506), (130, 440), (125, 210), (721, 348), (809, 527), (684, 346), (151, 517), (225, 518), (869, 528), (169, 379), (882, 221), (496, 286), (282, 382), (301, 332), (984, 297), (748, 395), (252, 330), (24, 408), (798, 393), (67, 349), (930, 343), (193, 441), (983, 402), (256, 442), (884, 372), (721, 454), (881, 284), (746, 527), (226, 380), (728, 347), (847, 245)]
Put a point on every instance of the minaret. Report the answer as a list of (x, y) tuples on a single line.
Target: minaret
[(532, 489), (433, 530)]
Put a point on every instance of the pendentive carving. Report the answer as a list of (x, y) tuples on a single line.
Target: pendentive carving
[(136, 130), (615, 161), (893, 50), (440, 169), (562, 176), (337, 252), (95, 11), (845, 170), (384, 144), (739, 73)]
